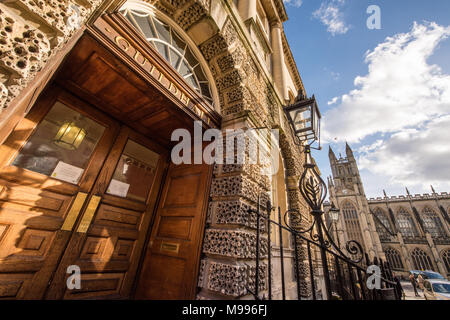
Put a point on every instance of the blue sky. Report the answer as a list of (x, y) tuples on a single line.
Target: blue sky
[(388, 97)]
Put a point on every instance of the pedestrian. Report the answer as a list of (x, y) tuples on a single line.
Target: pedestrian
[(420, 281), (414, 284), (398, 287)]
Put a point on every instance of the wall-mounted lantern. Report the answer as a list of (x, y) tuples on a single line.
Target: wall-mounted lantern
[(69, 136), (304, 118)]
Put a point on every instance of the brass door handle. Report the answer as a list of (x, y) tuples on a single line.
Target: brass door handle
[(89, 214), (74, 211)]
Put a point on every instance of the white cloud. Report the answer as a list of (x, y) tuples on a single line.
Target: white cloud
[(403, 104), (413, 157), (400, 91), (331, 16), (333, 101), (295, 3), (370, 147)]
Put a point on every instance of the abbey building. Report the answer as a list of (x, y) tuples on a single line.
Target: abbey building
[(412, 232)]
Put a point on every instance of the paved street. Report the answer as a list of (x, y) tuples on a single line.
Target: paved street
[(409, 291)]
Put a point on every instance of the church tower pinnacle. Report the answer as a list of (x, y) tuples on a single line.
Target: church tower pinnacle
[(347, 193)]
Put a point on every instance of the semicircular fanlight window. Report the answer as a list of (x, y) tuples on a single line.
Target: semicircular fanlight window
[(173, 48)]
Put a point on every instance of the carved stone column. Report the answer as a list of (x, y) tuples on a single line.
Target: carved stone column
[(278, 67)]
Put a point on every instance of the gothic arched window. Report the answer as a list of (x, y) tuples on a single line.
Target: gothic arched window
[(352, 223), (382, 225), (446, 259), (394, 259), (421, 260), (171, 45), (406, 224), (432, 223)]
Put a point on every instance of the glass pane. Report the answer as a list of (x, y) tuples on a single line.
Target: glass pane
[(190, 57), (205, 90), (163, 31), (199, 73), (184, 69), (178, 43), (301, 119), (144, 24), (162, 48), (61, 145), (191, 80), (174, 58), (134, 173)]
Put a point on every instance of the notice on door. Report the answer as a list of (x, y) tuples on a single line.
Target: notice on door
[(118, 188), (67, 172)]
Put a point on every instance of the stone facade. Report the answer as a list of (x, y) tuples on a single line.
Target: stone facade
[(427, 246), (413, 230), (32, 32), (251, 94)]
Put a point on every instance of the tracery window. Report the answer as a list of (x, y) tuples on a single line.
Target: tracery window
[(394, 259), (352, 223), (432, 223), (446, 259), (381, 229), (421, 260), (172, 47), (406, 224)]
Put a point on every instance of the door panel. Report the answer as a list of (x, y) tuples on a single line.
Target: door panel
[(170, 266), (108, 251), (34, 205)]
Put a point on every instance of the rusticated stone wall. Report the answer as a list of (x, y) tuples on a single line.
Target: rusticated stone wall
[(31, 31)]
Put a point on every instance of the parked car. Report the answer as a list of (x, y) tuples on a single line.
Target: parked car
[(428, 274), (436, 289)]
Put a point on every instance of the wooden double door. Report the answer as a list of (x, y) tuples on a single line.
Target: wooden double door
[(78, 193)]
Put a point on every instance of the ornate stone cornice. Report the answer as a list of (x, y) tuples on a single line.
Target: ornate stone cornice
[(281, 10)]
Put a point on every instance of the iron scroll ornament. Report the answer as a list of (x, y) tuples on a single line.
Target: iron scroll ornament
[(314, 191), (353, 247), (311, 185)]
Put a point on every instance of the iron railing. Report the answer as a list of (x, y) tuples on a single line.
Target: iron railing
[(344, 277)]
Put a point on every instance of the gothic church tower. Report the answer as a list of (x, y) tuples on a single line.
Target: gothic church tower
[(347, 194)]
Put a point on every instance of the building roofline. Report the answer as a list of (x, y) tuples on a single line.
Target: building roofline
[(425, 196), (292, 64), (281, 10)]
